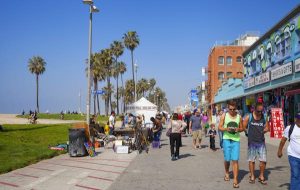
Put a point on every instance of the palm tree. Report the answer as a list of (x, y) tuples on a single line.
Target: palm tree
[(131, 41), (142, 87), (122, 70), (117, 49), (98, 75), (36, 65), (106, 60), (129, 92)]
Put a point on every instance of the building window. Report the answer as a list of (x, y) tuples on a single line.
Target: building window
[(221, 75), (229, 74), (221, 60), (239, 59), (229, 60), (239, 74)]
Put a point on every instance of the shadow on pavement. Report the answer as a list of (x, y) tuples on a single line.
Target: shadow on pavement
[(186, 155), (287, 185)]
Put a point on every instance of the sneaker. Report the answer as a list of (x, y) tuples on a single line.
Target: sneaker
[(177, 157), (173, 158)]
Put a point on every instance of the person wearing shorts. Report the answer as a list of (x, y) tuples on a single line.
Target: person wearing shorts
[(231, 125), (257, 126), (196, 129)]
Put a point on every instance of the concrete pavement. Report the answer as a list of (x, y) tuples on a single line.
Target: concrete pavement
[(198, 169), (12, 119), (64, 172)]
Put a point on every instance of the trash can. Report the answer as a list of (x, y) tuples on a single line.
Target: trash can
[(76, 142)]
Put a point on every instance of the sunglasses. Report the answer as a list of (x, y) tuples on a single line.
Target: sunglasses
[(259, 111), (232, 109)]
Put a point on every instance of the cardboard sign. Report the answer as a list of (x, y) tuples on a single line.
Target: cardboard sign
[(277, 124)]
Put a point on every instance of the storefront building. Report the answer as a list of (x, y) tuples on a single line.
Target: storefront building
[(272, 68)]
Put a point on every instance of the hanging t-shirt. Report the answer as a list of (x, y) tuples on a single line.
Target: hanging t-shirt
[(294, 146)]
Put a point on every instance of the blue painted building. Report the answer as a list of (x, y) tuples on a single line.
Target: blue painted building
[(272, 67)]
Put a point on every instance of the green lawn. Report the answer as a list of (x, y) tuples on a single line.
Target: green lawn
[(102, 119), (21, 145)]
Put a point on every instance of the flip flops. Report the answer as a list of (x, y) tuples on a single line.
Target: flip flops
[(236, 185), (226, 178), (262, 181)]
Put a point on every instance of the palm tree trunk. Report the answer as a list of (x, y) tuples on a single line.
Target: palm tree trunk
[(37, 94), (133, 73), (118, 94), (95, 90), (123, 99), (98, 104)]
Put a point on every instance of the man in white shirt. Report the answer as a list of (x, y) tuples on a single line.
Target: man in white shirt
[(293, 151), (112, 122)]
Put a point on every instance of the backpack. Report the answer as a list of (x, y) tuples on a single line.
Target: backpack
[(291, 130)]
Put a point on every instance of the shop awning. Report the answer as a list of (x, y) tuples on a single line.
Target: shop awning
[(231, 90), (292, 92)]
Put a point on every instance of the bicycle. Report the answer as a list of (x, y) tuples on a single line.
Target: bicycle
[(141, 143)]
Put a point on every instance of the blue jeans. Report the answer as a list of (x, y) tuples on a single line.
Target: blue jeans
[(156, 136), (220, 133), (295, 173)]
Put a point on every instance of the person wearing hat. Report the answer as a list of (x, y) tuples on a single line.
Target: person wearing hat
[(292, 133), (256, 125)]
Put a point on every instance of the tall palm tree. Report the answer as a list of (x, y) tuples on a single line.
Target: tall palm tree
[(98, 75), (122, 70), (105, 59), (129, 92), (37, 66), (117, 49), (131, 41), (142, 86)]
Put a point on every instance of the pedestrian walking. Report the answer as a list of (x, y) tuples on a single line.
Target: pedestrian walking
[(256, 125), (292, 134), (156, 129), (212, 134), (205, 123), (231, 125), (176, 127), (112, 123), (220, 133), (196, 129), (187, 118)]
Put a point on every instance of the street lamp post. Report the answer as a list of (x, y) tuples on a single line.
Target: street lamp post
[(93, 9), (135, 68)]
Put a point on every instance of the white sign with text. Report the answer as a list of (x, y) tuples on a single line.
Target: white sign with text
[(282, 71), (297, 65), (249, 83), (263, 78)]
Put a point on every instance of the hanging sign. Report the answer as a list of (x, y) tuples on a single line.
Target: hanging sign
[(282, 71), (297, 65), (263, 78), (277, 126)]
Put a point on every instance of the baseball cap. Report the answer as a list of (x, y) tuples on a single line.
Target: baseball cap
[(297, 115)]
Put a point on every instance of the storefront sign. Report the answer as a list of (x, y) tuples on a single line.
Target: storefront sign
[(297, 65), (249, 83), (282, 71), (277, 126), (263, 78)]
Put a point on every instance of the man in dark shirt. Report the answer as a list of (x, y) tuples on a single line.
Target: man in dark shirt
[(256, 125), (156, 129)]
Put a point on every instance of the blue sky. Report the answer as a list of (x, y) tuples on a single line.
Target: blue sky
[(175, 39)]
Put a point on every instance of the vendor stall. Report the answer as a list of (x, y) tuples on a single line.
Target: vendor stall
[(143, 107)]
